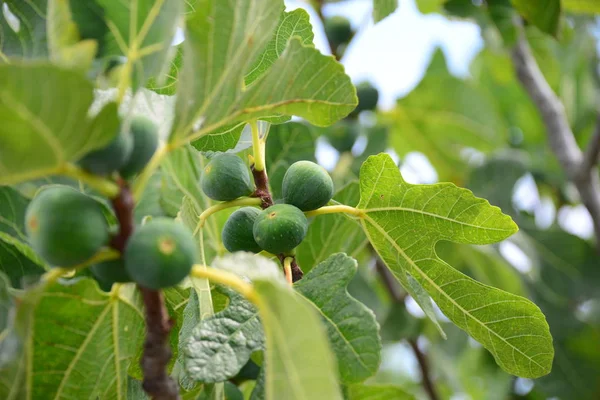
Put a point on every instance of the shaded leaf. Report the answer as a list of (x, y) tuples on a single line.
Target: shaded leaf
[(403, 223), (582, 6), (48, 106), (29, 40), (332, 233), (221, 345), (81, 348), (351, 326), (544, 14)]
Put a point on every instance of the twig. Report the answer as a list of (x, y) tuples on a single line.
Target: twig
[(592, 153), (262, 191), (560, 136), (397, 296), (157, 351)]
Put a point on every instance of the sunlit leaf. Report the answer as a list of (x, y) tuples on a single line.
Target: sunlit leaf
[(383, 8), (377, 392), (403, 222)]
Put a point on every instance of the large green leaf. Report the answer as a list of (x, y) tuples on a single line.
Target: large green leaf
[(378, 392), (351, 326), (383, 8), (404, 222), (298, 362), (544, 14), (582, 6), (222, 41), (139, 30), (332, 233), (48, 107), (286, 144), (77, 342), (221, 345), (442, 123), (29, 40)]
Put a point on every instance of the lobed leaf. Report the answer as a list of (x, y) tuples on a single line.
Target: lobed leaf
[(48, 107), (223, 40), (351, 327), (404, 222), (84, 343)]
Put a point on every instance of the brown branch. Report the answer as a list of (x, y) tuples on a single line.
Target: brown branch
[(425, 371), (393, 289), (592, 153), (560, 136), (262, 192), (157, 351)]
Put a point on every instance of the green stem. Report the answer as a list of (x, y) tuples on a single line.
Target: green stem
[(153, 164), (58, 272), (335, 209), (287, 268), (226, 278), (242, 201), (258, 147), (103, 185)]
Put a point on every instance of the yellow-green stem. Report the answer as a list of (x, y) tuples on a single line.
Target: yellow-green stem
[(258, 148), (226, 278), (57, 272), (335, 209), (242, 201), (103, 185), (287, 268)]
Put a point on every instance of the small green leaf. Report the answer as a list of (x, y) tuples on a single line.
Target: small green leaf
[(300, 82), (332, 233), (222, 344), (351, 326), (404, 222), (80, 349), (378, 392), (383, 8), (544, 14), (51, 133)]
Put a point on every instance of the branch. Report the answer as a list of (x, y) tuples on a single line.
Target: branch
[(157, 351), (592, 154), (397, 296), (560, 136)]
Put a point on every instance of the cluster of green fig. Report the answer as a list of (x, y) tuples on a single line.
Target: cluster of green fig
[(278, 229), (68, 228)]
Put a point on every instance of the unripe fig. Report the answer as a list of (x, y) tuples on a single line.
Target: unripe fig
[(226, 178), (368, 96), (237, 232), (342, 135), (280, 228), (65, 227), (145, 142), (160, 253), (338, 30), (307, 186), (110, 158)]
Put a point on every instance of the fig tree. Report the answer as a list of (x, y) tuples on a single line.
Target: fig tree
[(307, 186), (110, 158), (160, 254), (226, 178), (145, 142), (65, 227), (280, 228), (237, 232)]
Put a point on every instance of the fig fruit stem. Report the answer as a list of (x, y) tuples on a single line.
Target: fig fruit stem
[(287, 269), (242, 201), (102, 185), (226, 278), (258, 147), (340, 208)]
